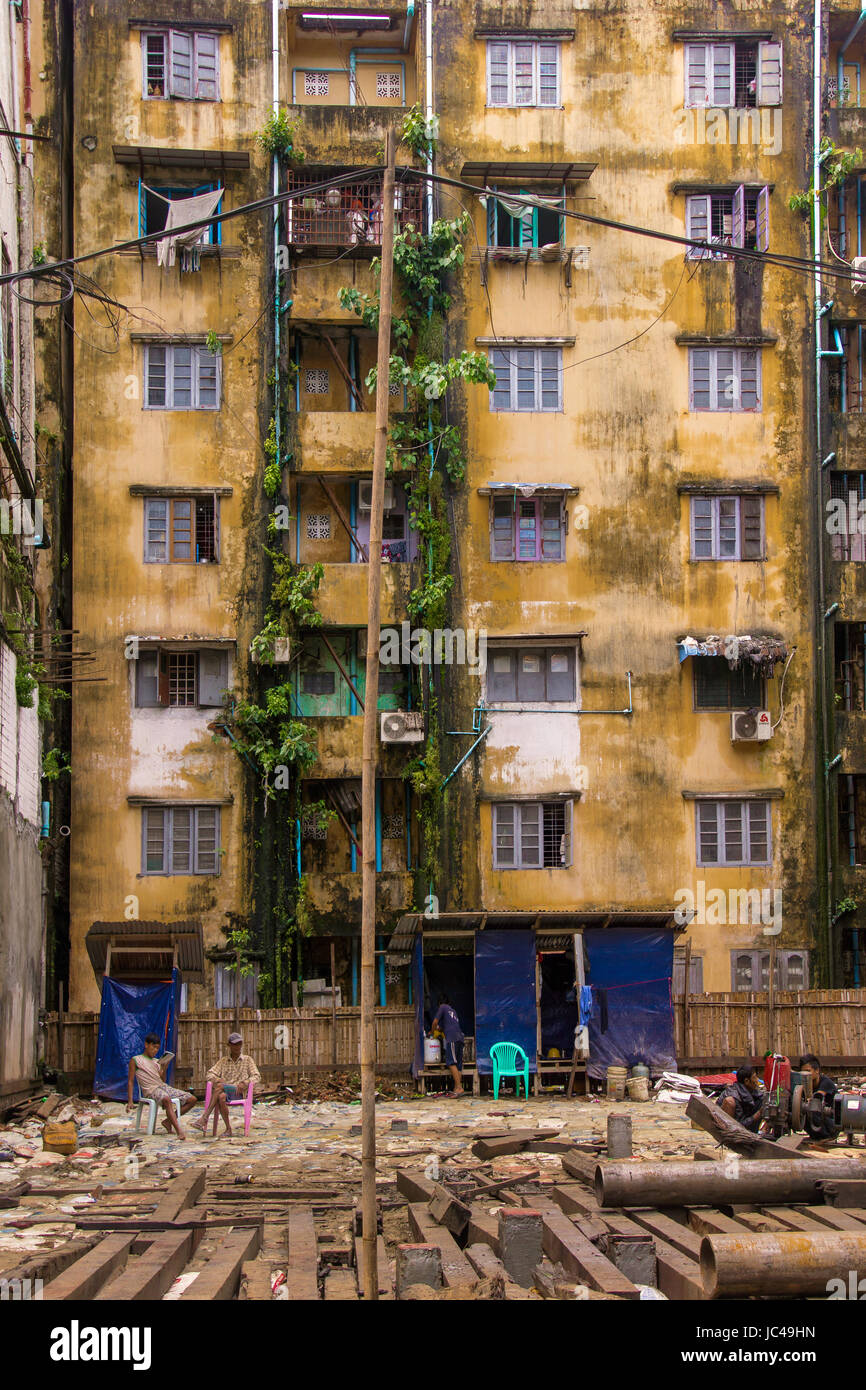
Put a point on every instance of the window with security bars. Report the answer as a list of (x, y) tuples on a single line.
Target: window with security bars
[(181, 376), (180, 840), (527, 528), (316, 84), (739, 73), (165, 677), (852, 819), (522, 72), (527, 379), (727, 528), (733, 832), (741, 218), (847, 523), (388, 86), (181, 530), (719, 686), (531, 675), (511, 225), (724, 379), (750, 970), (532, 834), (180, 63), (849, 640)]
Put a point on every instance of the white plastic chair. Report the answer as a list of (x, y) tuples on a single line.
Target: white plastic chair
[(154, 1107)]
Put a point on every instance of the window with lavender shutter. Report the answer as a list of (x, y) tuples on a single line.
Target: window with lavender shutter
[(497, 74), (700, 381), (503, 835), (733, 832), (548, 74), (749, 383), (698, 224), (752, 524), (696, 66), (722, 74), (181, 46), (530, 834), (206, 67), (763, 220), (500, 397), (527, 531), (502, 530), (207, 840), (702, 528), (155, 530), (769, 74)]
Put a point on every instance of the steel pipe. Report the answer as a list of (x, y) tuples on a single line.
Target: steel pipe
[(710, 1184), (792, 1264)]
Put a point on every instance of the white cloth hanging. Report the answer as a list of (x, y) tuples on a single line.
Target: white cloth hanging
[(180, 212)]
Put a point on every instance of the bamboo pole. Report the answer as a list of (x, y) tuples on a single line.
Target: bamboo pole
[(333, 1008), (368, 778)]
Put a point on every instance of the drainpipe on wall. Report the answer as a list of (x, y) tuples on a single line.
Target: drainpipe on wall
[(27, 81), (275, 58), (821, 635)]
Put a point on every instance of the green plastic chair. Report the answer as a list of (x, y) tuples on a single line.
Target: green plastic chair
[(509, 1059)]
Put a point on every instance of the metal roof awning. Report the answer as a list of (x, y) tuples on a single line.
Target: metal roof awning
[(166, 157), (763, 652), (149, 947), (575, 171), (556, 922), (528, 489)]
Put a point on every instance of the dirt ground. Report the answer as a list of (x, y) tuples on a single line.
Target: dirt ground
[(297, 1143)]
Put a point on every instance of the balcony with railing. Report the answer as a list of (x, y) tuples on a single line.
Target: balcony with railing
[(339, 214)]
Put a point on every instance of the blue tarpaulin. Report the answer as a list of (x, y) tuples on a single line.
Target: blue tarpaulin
[(128, 1013), (632, 1018), (504, 994)]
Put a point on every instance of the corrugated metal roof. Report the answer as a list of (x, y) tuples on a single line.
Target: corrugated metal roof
[(161, 937)]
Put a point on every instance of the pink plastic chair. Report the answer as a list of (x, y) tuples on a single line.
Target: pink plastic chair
[(247, 1104)]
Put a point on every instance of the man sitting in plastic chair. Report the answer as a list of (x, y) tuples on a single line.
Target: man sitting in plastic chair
[(150, 1075), (229, 1079)]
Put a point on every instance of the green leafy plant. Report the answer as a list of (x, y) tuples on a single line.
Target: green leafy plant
[(844, 907), (278, 134), (39, 256), (419, 133), (214, 343), (54, 764), (837, 166)]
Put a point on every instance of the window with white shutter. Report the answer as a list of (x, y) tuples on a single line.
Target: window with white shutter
[(727, 528), (181, 63), (740, 73), (738, 219), (724, 379), (188, 678), (181, 376), (523, 72), (532, 834), (527, 379), (733, 832), (180, 840)]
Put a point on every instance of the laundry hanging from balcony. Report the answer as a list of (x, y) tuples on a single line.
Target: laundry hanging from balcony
[(764, 653), (182, 211)]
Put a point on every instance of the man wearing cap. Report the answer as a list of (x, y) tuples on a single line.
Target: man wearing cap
[(229, 1079)]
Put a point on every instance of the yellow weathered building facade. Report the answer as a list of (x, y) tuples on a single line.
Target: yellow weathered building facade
[(635, 533)]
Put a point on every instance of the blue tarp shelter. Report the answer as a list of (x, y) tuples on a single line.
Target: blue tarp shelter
[(127, 1014), (632, 1019)]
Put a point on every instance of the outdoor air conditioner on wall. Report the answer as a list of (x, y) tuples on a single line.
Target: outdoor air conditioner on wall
[(751, 726), (401, 726), (365, 496)]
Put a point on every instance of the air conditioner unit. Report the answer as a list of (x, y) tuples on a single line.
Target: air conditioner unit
[(401, 726), (751, 726), (365, 497)]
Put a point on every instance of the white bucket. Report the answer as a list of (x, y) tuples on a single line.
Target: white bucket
[(432, 1051)]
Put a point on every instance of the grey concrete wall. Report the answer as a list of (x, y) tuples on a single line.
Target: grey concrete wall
[(20, 946)]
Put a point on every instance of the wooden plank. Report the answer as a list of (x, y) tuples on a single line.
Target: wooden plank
[(591, 1226), (340, 1286), (579, 1166), (303, 1259), (757, 1221), (218, 1280), (448, 1211), (564, 1244), (485, 1262), (680, 1237), (252, 1192), (793, 1219), (182, 1192), (149, 1224), (48, 1264), (483, 1229), (709, 1222), (83, 1278), (154, 1272), (456, 1269), (414, 1186), (837, 1220), (500, 1144), (677, 1275), (255, 1282), (707, 1115), (384, 1266)]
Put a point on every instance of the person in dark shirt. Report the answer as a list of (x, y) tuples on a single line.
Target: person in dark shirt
[(448, 1024), (819, 1127), (743, 1099)]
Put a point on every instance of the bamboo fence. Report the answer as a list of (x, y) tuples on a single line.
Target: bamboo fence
[(711, 1030)]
